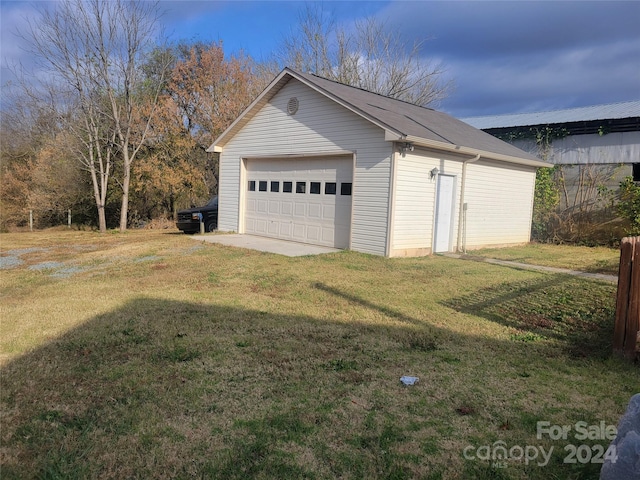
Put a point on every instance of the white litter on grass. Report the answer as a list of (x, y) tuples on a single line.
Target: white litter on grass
[(409, 380)]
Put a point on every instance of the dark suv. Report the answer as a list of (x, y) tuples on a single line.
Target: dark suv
[(189, 219)]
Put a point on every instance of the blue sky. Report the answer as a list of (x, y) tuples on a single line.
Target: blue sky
[(503, 56)]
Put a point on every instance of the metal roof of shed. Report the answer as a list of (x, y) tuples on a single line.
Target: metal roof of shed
[(582, 114)]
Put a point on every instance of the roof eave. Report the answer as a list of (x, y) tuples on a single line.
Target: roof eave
[(423, 142)]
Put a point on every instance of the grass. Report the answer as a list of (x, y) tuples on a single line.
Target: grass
[(161, 357), (586, 259)]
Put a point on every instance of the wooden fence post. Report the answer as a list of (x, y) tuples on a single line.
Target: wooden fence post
[(627, 323)]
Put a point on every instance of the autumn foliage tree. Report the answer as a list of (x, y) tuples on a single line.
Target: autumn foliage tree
[(38, 171), (203, 94), (210, 90), (172, 169), (20, 140)]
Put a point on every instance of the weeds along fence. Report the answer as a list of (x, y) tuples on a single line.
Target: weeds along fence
[(626, 335)]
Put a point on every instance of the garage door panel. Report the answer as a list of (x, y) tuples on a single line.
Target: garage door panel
[(320, 215), (286, 208), (300, 209), (285, 230), (328, 235), (261, 226), (299, 232), (328, 211), (273, 228), (315, 211), (262, 206), (313, 232)]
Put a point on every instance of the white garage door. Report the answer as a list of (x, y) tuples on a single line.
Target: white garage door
[(304, 200)]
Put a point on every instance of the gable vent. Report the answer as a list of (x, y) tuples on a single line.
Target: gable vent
[(292, 106)]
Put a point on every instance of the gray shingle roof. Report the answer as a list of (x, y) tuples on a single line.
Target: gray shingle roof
[(582, 114), (415, 121), (402, 120)]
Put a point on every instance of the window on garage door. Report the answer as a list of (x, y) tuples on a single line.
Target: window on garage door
[(330, 188)]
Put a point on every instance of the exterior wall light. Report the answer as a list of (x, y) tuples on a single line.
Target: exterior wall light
[(406, 147)]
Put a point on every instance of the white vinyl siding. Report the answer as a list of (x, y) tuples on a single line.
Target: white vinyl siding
[(415, 197), (500, 203), (319, 126)]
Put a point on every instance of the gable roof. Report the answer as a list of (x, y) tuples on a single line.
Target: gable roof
[(401, 121), (612, 111)]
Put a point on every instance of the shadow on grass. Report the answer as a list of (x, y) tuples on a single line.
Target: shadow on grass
[(389, 312), (607, 267), (580, 315), (178, 390), (169, 389)]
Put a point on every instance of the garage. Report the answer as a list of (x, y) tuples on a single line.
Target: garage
[(305, 200), (315, 161)]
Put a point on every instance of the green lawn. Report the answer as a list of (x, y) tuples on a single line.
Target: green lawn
[(586, 259), (150, 355)]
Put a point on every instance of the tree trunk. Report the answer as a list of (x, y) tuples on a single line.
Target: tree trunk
[(125, 196), (99, 198), (102, 219)]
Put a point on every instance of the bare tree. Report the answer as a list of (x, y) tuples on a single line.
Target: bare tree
[(92, 51), (368, 57)]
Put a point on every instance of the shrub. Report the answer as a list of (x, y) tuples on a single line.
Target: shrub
[(629, 205), (546, 200)]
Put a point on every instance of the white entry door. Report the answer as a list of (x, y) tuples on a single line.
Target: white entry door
[(307, 200), (444, 213)]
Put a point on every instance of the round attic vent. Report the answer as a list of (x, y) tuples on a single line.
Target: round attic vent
[(292, 106)]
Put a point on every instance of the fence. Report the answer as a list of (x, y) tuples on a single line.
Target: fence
[(31, 219), (626, 334)]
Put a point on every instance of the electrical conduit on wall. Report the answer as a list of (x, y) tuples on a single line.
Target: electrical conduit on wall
[(461, 214)]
